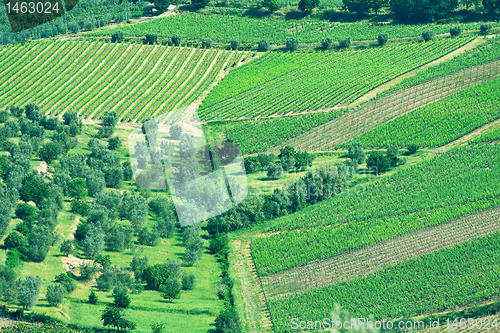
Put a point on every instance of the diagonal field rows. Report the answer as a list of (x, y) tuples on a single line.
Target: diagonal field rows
[(355, 122), (376, 257), (134, 80)]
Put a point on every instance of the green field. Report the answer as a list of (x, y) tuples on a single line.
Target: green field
[(326, 80)]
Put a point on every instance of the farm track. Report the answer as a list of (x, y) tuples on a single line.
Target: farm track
[(353, 123), (258, 318), (376, 257)]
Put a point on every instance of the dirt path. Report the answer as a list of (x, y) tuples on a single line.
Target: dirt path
[(376, 257), (257, 317)]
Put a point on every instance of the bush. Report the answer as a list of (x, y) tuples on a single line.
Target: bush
[(175, 131), (292, 43), (121, 299), (93, 299), (428, 35), (188, 282), (4, 115), (379, 161), (272, 5), (114, 143), (176, 39), (412, 148), (345, 43), (117, 37), (67, 247), (263, 45), (171, 289), (485, 28), (235, 44), (327, 43), (206, 43), (455, 31), (274, 171), (66, 281), (383, 39), (150, 39)]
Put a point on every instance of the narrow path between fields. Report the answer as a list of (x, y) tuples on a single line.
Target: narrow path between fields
[(376, 257)]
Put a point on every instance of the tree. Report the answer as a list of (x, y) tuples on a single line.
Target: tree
[(4, 115), (264, 159), (8, 289), (117, 37), (235, 44), (188, 282), (356, 153), (412, 148), (29, 291), (428, 35), (206, 43), (303, 159), (274, 171), (485, 28), (175, 131), (56, 293), (114, 143), (113, 176), (171, 289), (392, 153), (263, 45), (33, 189), (455, 31), (118, 237), (157, 328), (383, 39), (139, 265), (15, 240), (39, 242), (66, 281), (358, 6), (127, 171), (49, 152), (176, 39), (307, 6), (228, 321), (379, 161), (345, 43), (156, 275), (77, 188), (327, 43), (272, 5), (88, 270), (94, 241), (80, 207), (93, 299), (113, 316), (121, 299), (67, 247), (95, 182), (491, 5), (292, 43)]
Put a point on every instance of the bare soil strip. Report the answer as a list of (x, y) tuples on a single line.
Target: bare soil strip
[(257, 317), (372, 114), (376, 257)]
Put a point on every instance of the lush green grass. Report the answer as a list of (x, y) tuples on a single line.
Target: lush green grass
[(440, 122), (458, 182), (326, 80), (491, 136), (465, 273), (223, 28)]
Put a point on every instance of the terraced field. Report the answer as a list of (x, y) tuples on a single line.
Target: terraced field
[(137, 81), (323, 81)]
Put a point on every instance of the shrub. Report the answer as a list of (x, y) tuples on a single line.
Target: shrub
[(176, 39), (206, 43), (188, 282), (272, 5), (117, 37), (274, 171), (383, 39), (327, 43), (379, 161), (66, 281), (4, 115), (121, 299), (171, 289), (412, 148), (455, 31), (485, 28), (150, 39), (55, 294), (67, 247), (345, 43), (93, 299), (235, 44), (292, 43), (263, 45), (428, 35)]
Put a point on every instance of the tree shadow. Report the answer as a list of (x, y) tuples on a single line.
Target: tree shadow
[(295, 15), (343, 17), (256, 13)]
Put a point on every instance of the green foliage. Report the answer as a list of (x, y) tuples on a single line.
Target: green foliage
[(66, 281), (176, 39), (8, 288), (345, 43), (93, 299), (485, 28), (428, 35), (228, 321), (175, 131), (234, 44), (151, 39), (67, 247), (358, 6), (118, 237), (49, 152), (80, 207), (15, 241), (121, 299), (56, 293), (412, 148), (455, 31), (94, 241), (39, 242), (274, 171), (117, 37), (382, 39), (26, 212), (77, 188), (29, 291), (156, 275), (307, 6), (188, 282), (206, 43), (292, 43), (157, 328), (139, 265), (127, 171), (33, 189), (327, 43), (378, 162), (219, 245), (171, 289), (149, 238), (114, 143), (13, 258), (88, 270), (272, 5), (113, 316), (4, 115)]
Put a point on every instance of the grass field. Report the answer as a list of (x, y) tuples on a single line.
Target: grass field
[(143, 81)]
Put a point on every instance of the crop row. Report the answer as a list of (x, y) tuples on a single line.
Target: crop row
[(329, 80), (134, 80), (441, 122), (491, 136), (223, 28), (460, 181), (429, 284)]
